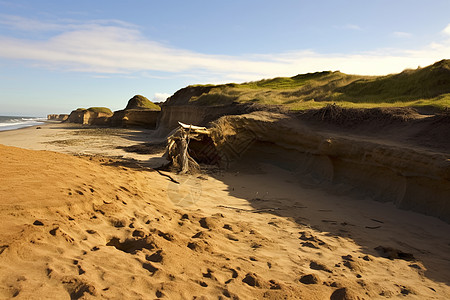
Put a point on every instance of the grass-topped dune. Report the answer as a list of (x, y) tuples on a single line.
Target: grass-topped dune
[(104, 110), (141, 102), (422, 87)]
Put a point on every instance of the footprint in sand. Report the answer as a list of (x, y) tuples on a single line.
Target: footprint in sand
[(318, 266), (58, 232), (149, 267), (118, 223), (208, 273), (310, 241), (234, 275), (155, 257), (138, 232), (350, 263), (81, 271), (167, 236), (344, 293), (227, 227), (251, 279), (77, 288), (38, 223), (392, 253), (209, 223), (274, 285), (132, 245), (310, 279), (3, 248)]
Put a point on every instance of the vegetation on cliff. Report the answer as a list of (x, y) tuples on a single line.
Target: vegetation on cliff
[(104, 110), (141, 102), (429, 86)]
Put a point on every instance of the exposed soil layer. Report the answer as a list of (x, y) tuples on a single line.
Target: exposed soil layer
[(390, 164)]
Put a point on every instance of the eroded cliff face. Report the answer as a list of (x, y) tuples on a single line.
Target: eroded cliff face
[(57, 117), (196, 115), (412, 179), (87, 117), (135, 118), (123, 118)]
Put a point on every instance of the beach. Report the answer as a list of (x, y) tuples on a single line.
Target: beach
[(84, 217)]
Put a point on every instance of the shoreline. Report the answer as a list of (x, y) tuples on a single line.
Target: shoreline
[(19, 122), (76, 139)]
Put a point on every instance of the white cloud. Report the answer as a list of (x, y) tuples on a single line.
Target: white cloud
[(114, 47), (446, 30), (401, 34), (349, 27), (160, 97)]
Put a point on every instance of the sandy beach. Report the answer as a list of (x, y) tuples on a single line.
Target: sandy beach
[(82, 217)]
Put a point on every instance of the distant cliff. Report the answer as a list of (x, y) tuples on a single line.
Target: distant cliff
[(135, 118), (139, 112), (57, 117), (90, 116)]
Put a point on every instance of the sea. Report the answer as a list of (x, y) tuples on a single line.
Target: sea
[(11, 122)]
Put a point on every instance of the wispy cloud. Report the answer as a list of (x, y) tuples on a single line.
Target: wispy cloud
[(115, 47), (349, 27), (401, 34), (353, 27), (446, 30), (29, 25)]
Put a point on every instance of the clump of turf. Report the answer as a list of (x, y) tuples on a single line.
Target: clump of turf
[(141, 102), (104, 110)]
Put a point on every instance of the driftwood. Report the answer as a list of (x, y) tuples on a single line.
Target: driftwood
[(178, 148)]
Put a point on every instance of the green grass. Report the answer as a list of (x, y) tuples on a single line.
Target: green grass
[(407, 86), (104, 110), (141, 102), (423, 87), (439, 103)]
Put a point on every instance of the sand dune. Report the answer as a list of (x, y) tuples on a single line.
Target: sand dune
[(93, 227)]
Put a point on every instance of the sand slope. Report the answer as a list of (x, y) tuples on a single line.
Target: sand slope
[(80, 228)]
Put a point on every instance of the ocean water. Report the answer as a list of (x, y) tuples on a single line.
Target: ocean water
[(10, 122)]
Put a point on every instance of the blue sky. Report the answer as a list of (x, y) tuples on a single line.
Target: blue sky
[(58, 55)]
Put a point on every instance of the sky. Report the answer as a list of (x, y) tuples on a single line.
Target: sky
[(59, 55)]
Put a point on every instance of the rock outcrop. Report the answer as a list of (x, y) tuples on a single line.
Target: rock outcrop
[(135, 118), (139, 112), (57, 117), (91, 116), (198, 115)]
